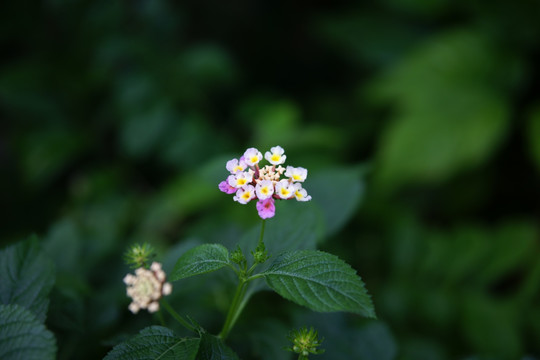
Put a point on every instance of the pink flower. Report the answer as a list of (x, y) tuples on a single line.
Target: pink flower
[(249, 180), (266, 208), (226, 188)]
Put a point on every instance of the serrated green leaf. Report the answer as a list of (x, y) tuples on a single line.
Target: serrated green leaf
[(155, 342), (212, 348), (23, 336), (296, 226), (26, 277), (200, 260), (319, 281)]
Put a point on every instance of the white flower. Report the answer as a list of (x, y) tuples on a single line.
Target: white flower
[(284, 189), (146, 288), (245, 194), (296, 174), (153, 307), (275, 156), (166, 289), (129, 279), (252, 156), (300, 193), (134, 308), (236, 165), (240, 179), (264, 189), (156, 268)]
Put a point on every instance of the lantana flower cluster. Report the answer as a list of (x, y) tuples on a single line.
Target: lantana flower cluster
[(146, 287), (249, 181)]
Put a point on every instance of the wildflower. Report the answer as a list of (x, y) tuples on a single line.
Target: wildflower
[(266, 208), (146, 287), (296, 174), (245, 194), (264, 189), (240, 179), (300, 193), (305, 342), (275, 155), (250, 180), (236, 165), (284, 189), (252, 156), (226, 188)]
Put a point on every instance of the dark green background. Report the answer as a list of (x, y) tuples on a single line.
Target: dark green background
[(118, 117)]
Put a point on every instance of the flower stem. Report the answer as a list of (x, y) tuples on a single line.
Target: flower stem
[(177, 316), (238, 303), (234, 310), (161, 319), (262, 231)]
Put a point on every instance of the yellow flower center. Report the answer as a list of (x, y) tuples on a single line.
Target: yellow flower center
[(296, 177), (241, 182), (276, 157), (254, 159)]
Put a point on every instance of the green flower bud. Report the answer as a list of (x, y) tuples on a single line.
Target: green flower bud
[(260, 255), (139, 255), (237, 256), (305, 342)]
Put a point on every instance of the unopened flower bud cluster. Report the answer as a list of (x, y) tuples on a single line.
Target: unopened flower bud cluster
[(305, 342), (250, 181), (146, 287)]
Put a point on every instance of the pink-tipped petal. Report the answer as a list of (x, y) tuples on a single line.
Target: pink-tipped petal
[(226, 188), (266, 208)]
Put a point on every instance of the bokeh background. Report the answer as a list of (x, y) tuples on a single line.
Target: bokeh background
[(419, 121)]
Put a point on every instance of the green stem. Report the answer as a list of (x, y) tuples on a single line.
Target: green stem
[(262, 231), (238, 303), (254, 277), (177, 316), (250, 271), (234, 310), (161, 319)]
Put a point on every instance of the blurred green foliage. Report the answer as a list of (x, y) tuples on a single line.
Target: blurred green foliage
[(418, 120)]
